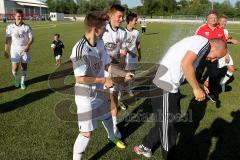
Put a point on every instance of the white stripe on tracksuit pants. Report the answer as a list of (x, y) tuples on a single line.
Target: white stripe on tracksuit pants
[(165, 107)]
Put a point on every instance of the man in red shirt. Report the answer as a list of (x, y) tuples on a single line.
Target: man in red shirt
[(210, 30)]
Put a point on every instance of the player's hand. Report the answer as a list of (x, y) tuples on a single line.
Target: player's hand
[(199, 94), (108, 82), (6, 54), (234, 41), (129, 76), (26, 48), (206, 89), (206, 83)]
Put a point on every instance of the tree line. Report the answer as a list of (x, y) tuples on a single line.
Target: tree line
[(148, 7)]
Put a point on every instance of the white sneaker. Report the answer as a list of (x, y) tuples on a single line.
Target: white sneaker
[(117, 133), (130, 92), (223, 87), (143, 150)]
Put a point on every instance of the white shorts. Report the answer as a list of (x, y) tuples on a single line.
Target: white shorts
[(57, 57), (222, 62), (91, 107), (19, 56)]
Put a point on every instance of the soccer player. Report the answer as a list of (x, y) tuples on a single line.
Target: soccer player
[(18, 42), (227, 60), (115, 42), (90, 59), (133, 46), (143, 25), (57, 48), (210, 30), (180, 62)]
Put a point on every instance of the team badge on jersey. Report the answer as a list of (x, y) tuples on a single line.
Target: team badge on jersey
[(111, 46), (207, 33)]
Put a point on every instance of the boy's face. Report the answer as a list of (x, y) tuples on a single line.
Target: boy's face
[(56, 38), (212, 19), (116, 18), (223, 22), (133, 23), (19, 17)]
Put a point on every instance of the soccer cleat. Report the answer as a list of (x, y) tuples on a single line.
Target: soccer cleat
[(23, 87), (146, 152), (223, 87), (122, 105), (117, 133), (16, 82), (120, 144)]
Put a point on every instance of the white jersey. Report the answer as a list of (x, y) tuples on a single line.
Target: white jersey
[(143, 23), (89, 60), (226, 33), (114, 41), (133, 37), (174, 56), (20, 34)]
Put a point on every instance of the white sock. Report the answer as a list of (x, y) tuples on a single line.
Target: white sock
[(24, 73), (14, 74), (227, 77), (114, 119), (108, 125), (119, 95), (79, 146)]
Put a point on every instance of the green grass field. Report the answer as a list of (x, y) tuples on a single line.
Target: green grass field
[(32, 126)]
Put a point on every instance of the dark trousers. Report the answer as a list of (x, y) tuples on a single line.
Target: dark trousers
[(212, 73), (166, 109), (143, 29)]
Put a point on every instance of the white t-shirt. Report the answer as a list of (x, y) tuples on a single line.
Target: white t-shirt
[(226, 33), (20, 34), (173, 58), (114, 41), (89, 60), (133, 37), (143, 23)]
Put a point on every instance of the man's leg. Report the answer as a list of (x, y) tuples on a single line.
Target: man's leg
[(212, 70), (80, 145), (114, 111), (15, 74), (24, 74)]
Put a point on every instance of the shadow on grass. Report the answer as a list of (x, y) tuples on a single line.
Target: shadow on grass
[(27, 99), (28, 82)]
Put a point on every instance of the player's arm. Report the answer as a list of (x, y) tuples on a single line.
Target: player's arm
[(139, 51), (8, 42), (94, 80), (30, 41), (232, 41), (190, 75), (119, 72)]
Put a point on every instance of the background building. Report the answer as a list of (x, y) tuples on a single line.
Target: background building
[(31, 8)]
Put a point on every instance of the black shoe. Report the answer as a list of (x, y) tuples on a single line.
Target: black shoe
[(218, 104)]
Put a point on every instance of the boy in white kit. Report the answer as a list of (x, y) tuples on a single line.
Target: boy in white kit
[(133, 46), (18, 41), (115, 42), (226, 61), (90, 59)]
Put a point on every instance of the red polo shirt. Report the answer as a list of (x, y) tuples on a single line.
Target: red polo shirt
[(208, 33)]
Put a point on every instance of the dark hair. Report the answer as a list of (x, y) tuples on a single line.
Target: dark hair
[(19, 11), (130, 17), (58, 35), (212, 12), (116, 7), (95, 19)]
